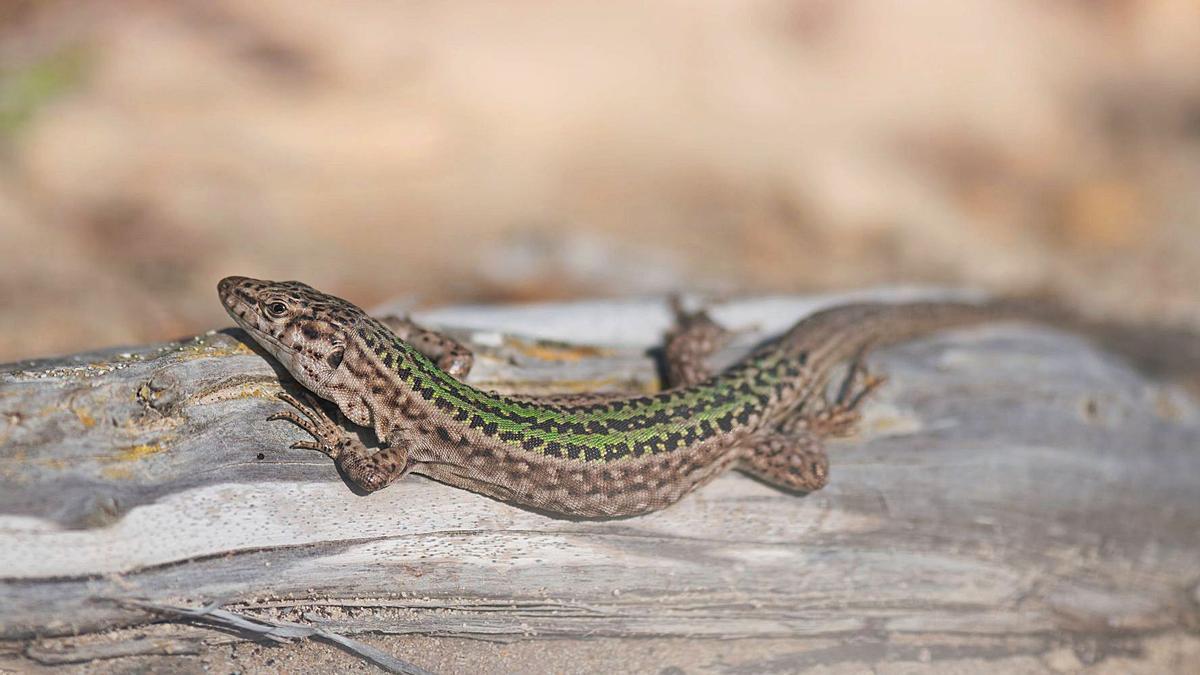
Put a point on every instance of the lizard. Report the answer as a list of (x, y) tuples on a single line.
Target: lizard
[(579, 455)]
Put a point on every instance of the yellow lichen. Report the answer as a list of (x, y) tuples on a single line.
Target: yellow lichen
[(56, 464), (84, 418), (553, 352), (540, 388), (119, 469), (117, 472), (136, 452)]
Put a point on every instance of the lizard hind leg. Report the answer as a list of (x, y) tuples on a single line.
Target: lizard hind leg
[(369, 471), (694, 337), (795, 461)]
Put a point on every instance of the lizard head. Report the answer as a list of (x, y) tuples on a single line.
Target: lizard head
[(305, 329)]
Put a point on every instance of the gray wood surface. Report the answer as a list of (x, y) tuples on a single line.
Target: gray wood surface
[(1014, 492)]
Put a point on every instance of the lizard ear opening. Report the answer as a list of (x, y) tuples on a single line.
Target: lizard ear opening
[(334, 359)]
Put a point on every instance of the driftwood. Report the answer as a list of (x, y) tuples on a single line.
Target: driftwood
[(1014, 492)]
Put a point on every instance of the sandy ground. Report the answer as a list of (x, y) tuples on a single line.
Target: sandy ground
[(1168, 654)]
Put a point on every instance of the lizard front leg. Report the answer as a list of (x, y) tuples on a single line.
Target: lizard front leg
[(367, 470), (449, 354)]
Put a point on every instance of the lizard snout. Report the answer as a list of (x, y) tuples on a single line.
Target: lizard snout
[(226, 285)]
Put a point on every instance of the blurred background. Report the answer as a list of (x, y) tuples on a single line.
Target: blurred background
[(477, 151)]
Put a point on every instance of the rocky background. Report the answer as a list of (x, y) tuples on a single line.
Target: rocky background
[(473, 151)]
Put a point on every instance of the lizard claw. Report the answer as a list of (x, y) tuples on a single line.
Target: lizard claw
[(326, 433), (309, 407), (292, 417)]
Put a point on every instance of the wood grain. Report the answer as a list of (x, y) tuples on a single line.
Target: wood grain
[(1014, 490)]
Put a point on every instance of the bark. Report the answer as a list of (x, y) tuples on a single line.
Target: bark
[(1014, 492)]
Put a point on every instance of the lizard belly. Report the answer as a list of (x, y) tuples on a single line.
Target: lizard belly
[(588, 489)]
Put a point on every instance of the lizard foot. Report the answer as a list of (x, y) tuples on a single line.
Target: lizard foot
[(366, 470), (841, 416), (330, 437)]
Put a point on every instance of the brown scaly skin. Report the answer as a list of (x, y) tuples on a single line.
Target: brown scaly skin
[(590, 455)]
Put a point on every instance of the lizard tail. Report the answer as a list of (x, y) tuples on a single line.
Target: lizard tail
[(832, 335)]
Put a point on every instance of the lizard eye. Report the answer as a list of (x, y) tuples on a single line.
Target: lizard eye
[(277, 309), (335, 358)]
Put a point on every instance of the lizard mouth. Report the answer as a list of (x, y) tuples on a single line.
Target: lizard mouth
[(238, 311), (239, 296)]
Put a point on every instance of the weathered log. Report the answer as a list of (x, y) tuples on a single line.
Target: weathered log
[(1013, 490)]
